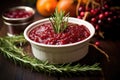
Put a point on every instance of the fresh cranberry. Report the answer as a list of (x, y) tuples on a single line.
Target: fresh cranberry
[(97, 27), (101, 16), (93, 20), (97, 43), (44, 33), (82, 14), (106, 13)]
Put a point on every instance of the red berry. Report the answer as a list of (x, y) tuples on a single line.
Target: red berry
[(109, 19), (97, 27), (79, 17), (101, 16), (93, 20), (100, 22), (92, 11), (81, 9), (97, 43), (82, 14), (106, 6), (114, 17), (106, 13)]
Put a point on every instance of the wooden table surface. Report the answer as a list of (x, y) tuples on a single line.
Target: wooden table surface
[(110, 70)]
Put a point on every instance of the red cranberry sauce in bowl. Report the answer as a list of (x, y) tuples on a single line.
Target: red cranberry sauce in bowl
[(18, 13), (44, 33), (67, 46)]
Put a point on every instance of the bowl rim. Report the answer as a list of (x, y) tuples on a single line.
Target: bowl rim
[(27, 30), (27, 8), (16, 24)]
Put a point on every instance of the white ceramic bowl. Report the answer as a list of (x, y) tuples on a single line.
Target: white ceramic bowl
[(60, 54)]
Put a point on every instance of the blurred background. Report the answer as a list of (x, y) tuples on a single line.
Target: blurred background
[(111, 32), (5, 4)]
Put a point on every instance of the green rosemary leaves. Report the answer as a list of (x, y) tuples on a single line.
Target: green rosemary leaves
[(9, 49), (59, 21)]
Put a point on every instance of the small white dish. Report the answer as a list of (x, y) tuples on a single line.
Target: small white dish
[(60, 54)]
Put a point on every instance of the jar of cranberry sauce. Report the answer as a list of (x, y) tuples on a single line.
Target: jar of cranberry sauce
[(17, 19)]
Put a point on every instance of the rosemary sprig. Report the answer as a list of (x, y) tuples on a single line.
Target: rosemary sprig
[(59, 21), (9, 49), (17, 40)]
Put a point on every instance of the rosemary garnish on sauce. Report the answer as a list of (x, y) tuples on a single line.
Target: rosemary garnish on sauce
[(59, 21)]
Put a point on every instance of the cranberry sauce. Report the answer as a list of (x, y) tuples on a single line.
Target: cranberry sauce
[(44, 33), (18, 13)]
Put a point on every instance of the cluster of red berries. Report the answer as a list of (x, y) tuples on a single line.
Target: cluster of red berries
[(103, 17)]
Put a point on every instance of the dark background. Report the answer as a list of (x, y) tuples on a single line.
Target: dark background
[(4, 4), (110, 46)]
